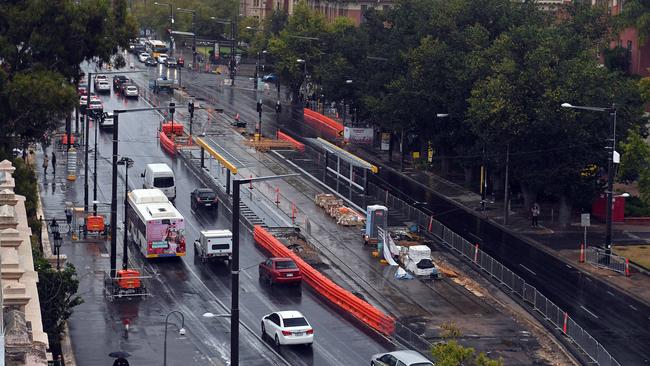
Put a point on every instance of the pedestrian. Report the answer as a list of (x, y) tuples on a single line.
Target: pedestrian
[(535, 215), (68, 215), (45, 162), (53, 163)]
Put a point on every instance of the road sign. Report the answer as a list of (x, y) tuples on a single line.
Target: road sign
[(341, 133), (585, 220)]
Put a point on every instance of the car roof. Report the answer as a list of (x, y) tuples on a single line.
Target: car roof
[(131, 86), (289, 314), (204, 190), (281, 259), (409, 356)]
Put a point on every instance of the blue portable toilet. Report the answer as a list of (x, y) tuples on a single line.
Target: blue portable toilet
[(376, 217)]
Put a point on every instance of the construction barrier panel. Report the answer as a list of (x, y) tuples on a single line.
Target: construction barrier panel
[(339, 296), (166, 143), (178, 128), (298, 145), (325, 121)]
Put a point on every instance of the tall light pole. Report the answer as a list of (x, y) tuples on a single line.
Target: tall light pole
[(171, 22), (611, 154), (233, 25), (181, 332), (128, 163), (193, 12), (234, 264)]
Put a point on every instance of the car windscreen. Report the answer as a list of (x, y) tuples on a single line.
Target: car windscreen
[(421, 364), (207, 195), (163, 182), (295, 322), (285, 265)]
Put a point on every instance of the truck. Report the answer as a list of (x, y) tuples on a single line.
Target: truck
[(214, 244), (161, 84), (417, 260)]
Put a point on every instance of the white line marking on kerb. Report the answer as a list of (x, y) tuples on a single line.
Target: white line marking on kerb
[(528, 269), (610, 293), (633, 308), (590, 313)]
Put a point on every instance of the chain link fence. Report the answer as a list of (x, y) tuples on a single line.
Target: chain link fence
[(517, 285)]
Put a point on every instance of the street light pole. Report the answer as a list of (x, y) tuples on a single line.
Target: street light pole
[(181, 332), (127, 162), (113, 259), (95, 163), (87, 136), (171, 22)]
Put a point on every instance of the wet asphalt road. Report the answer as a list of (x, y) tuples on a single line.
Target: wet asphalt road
[(184, 284), (619, 322)]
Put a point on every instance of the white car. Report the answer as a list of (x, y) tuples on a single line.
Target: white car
[(401, 358), (99, 78), (288, 328), (107, 121), (96, 104), (162, 58), (131, 91), (103, 86), (143, 56)]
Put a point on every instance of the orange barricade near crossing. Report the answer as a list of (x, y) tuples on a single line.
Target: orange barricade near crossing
[(166, 143), (339, 296), (336, 127), (178, 128), (298, 145)]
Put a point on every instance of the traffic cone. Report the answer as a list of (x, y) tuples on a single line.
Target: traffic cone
[(582, 253), (627, 268)]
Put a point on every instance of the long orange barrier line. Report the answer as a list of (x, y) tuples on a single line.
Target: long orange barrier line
[(166, 143), (344, 299), (323, 119), (297, 144)]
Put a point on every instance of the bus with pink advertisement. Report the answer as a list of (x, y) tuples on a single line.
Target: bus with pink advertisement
[(155, 225)]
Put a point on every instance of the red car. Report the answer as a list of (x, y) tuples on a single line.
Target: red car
[(280, 270), (181, 61), (82, 90)]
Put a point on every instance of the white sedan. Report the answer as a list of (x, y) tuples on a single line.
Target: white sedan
[(131, 91), (287, 328), (162, 58), (143, 57), (103, 86)]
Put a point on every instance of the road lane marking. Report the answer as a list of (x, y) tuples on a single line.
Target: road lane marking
[(610, 293), (528, 269), (592, 314), (568, 266), (587, 278), (633, 308)]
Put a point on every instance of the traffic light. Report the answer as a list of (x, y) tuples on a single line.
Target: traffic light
[(278, 106), (259, 105), (171, 107), (190, 108)]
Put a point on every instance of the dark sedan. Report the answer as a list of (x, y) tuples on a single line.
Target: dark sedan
[(203, 198)]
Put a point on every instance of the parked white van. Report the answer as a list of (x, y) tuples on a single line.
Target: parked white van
[(160, 176)]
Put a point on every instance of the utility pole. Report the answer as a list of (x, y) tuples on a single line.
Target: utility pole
[(506, 198), (233, 26)]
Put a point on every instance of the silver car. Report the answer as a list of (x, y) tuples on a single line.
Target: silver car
[(131, 91), (400, 358)]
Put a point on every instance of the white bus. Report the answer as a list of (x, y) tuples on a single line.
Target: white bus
[(155, 225), (156, 47)]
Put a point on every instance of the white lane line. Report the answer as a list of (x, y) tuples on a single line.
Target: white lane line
[(633, 308), (587, 278), (568, 266), (528, 269), (590, 313), (611, 293)]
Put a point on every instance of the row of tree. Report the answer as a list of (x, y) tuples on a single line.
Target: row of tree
[(499, 69)]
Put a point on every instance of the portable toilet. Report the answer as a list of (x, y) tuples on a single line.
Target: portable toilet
[(376, 217)]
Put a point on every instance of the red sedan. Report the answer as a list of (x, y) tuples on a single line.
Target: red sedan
[(280, 270)]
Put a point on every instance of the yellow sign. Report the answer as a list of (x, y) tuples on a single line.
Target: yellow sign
[(430, 154), (416, 154)]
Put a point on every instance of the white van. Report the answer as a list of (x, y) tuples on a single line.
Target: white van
[(160, 176)]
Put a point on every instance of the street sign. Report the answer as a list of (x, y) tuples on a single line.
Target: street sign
[(585, 220), (341, 133)]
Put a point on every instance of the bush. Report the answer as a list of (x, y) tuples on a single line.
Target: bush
[(635, 207)]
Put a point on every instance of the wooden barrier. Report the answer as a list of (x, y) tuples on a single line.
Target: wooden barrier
[(325, 121), (297, 144), (339, 296), (166, 143)]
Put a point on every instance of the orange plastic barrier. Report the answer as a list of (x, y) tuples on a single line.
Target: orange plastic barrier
[(128, 278), (297, 144), (178, 128), (64, 139), (167, 143), (326, 121), (95, 223), (341, 297)]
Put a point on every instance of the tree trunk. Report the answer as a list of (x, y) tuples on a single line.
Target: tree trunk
[(469, 173), (530, 196), (565, 211), (497, 184)]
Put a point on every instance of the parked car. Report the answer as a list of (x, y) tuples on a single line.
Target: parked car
[(171, 62), (99, 78), (95, 108), (280, 270), (406, 358), (161, 58), (103, 87), (270, 78), (118, 80), (181, 61), (143, 57), (151, 62), (287, 328), (131, 91), (203, 198)]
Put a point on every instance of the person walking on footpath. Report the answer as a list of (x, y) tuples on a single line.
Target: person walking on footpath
[(535, 215), (53, 163), (45, 162)]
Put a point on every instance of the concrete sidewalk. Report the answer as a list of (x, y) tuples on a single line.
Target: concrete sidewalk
[(562, 242)]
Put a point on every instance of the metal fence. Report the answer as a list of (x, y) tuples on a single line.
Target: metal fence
[(559, 318), (600, 258)]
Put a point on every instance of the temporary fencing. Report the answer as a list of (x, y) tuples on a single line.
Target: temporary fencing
[(327, 122), (339, 296), (167, 143), (298, 145), (600, 258), (559, 318)]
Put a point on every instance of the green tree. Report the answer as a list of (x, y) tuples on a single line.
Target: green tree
[(636, 13), (635, 157), (57, 293)]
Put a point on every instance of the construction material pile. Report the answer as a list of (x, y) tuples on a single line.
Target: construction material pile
[(334, 207)]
